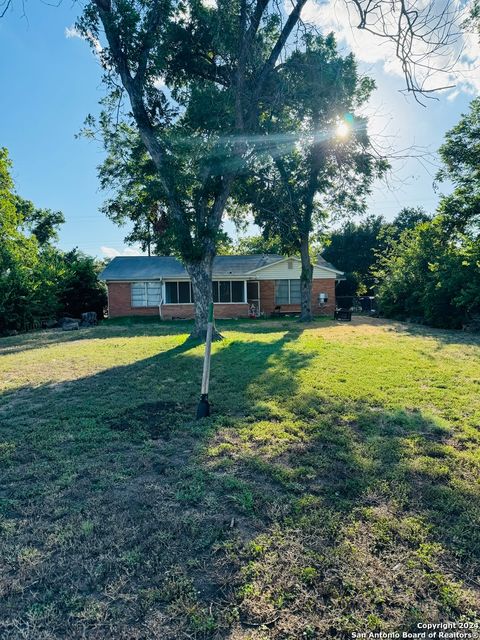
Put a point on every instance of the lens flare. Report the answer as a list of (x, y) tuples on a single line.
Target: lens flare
[(342, 130)]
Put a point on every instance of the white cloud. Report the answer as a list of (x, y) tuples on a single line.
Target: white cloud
[(73, 32), (110, 252), (457, 64), (453, 95)]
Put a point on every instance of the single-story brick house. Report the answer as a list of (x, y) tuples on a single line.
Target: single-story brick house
[(159, 285)]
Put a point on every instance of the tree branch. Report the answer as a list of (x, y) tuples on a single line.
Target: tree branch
[(269, 65), (133, 86), (418, 34)]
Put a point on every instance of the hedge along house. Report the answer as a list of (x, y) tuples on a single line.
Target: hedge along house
[(140, 286)]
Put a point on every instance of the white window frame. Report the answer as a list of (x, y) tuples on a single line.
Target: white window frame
[(145, 284), (289, 280), (244, 301)]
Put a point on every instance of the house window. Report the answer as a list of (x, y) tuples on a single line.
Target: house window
[(287, 292), (185, 292), (238, 291), (178, 293), (225, 291), (146, 294), (228, 291)]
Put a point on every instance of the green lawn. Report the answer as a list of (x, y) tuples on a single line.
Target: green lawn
[(335, 489)]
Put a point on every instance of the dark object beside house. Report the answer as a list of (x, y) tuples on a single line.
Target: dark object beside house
[(278, 313), (68, 322), (368, 304), (89, 319), (344, 308), (347, 302), (70, 326), (343, 314)]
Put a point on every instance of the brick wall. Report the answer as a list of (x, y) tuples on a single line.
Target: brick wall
[(323, 286), (267, 297), (120, 302), (220, 310)]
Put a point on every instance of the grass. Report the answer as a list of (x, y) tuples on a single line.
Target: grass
[(334, 490)]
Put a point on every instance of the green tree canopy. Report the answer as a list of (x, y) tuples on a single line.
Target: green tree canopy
[(201, 77), (431, 276), (38, 281), (197, 78), (311, 170), (352, 249), (249, 245), (42, 223), (460, 155)]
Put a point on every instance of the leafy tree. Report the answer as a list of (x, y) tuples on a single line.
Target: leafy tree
[(431, 276), (408, 218), (129, 175), (313, 169), (18, 254), (355, 246), (218, 63), (37, 281), (81, 290), (250, 245), (42, 223), (461, 166), (352, 249)]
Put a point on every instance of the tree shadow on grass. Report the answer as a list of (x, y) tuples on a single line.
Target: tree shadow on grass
[(131, 327), (106, 526)]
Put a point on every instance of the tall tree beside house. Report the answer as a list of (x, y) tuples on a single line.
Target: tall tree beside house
[(461, 166), (198, 76), (37, 280), (218, 62), (355, 247), (321, 162), (352, 248)]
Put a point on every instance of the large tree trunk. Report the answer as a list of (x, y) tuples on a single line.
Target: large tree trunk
[(200, 273), (306, 281)]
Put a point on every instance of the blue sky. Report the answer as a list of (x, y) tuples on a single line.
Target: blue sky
[(50, 83)]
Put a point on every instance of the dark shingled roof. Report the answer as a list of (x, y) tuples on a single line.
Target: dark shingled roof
[(127, 268), (321, 262)]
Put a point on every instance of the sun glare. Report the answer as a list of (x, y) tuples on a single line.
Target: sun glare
[(342, 130)]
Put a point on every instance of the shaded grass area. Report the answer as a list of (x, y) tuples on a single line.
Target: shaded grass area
[(334, 489)]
